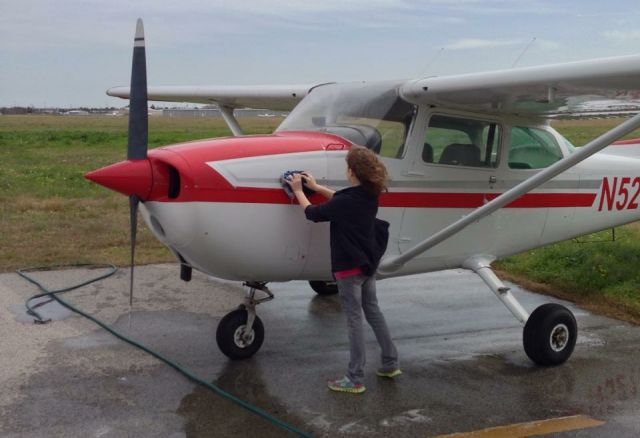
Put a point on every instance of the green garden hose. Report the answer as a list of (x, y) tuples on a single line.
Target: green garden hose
[(53, 295)]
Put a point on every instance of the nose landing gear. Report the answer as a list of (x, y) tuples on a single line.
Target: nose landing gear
[(240, 333)]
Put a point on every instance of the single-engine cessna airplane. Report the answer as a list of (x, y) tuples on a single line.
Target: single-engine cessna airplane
[(476, 174)]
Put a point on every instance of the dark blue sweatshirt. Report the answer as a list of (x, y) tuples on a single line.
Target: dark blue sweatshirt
[(358, 239)]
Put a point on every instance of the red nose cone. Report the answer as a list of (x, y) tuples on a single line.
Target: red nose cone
[(131, 177)]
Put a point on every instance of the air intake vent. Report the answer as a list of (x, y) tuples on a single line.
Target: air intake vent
[(174, 183)]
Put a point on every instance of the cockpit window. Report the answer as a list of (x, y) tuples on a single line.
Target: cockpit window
[(461, 141), (532, 148), (370, 115)]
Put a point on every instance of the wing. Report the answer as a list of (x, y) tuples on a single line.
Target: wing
[(273, 97), (573, 89)]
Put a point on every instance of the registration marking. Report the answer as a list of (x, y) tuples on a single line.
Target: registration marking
[(532, 428)]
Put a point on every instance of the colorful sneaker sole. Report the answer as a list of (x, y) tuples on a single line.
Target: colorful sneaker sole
[(339, 386), (389, 374)]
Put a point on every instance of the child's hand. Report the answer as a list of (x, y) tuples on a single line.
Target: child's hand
[(310, 181), (295, 181)]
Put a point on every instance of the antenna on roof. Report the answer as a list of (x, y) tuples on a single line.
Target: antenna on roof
[(432, 61), (533, 40)]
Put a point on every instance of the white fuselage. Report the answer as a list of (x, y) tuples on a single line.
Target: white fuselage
[(273, 241)]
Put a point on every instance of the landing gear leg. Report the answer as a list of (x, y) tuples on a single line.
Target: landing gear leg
[(550, 333), (240, 333)]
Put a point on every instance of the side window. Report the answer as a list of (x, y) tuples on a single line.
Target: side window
[(461, 142), (532, 148), (394, 135)]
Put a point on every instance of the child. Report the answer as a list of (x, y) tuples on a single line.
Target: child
[(358, 241)]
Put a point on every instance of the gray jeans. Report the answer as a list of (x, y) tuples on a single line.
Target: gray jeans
[(358, 293)]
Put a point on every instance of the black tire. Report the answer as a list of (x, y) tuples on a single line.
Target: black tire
[(324, 287), (550, 335), (228, 335)]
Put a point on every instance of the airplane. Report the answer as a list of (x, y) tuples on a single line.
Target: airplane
[(476, 174)]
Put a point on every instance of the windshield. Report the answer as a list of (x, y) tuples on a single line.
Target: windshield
[(370, 115)]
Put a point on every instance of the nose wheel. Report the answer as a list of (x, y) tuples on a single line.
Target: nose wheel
[(240, 333), (235, 339)]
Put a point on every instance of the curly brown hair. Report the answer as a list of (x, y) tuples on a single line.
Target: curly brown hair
[(368, 168)]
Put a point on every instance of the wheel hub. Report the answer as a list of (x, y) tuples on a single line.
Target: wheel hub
[(242, 339), (559, 337)]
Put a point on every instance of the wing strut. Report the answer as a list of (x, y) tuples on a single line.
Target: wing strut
[(393, 263), (230, 119)]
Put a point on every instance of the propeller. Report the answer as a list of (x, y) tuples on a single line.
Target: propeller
[(137, 135)]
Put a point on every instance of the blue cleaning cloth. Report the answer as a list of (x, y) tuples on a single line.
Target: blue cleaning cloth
[(287, 188)]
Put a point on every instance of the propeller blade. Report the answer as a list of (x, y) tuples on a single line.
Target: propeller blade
[(133, 219), (138, 134), (138, 113)]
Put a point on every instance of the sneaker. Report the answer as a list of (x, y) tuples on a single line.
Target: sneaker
[(388, 374), (346, 385)]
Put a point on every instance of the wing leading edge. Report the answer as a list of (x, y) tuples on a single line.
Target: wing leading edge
[(546, 91), (273, 97)]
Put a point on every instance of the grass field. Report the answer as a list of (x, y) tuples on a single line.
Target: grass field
[(49, 214)]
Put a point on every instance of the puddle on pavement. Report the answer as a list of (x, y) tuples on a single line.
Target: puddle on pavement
[(208, 414)]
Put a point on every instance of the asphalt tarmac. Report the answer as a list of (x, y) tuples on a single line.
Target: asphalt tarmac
[(461, 353)]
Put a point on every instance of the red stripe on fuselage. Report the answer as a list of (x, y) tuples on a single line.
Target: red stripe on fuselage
[(396, 199), (475, 200)]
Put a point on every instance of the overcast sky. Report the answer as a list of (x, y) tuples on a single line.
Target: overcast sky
[(67, 52)]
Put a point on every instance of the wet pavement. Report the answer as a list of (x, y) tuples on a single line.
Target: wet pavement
[(461, 352)]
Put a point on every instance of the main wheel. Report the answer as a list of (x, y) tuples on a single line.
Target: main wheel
[(550, 335), (230, 339), (324, 287)]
